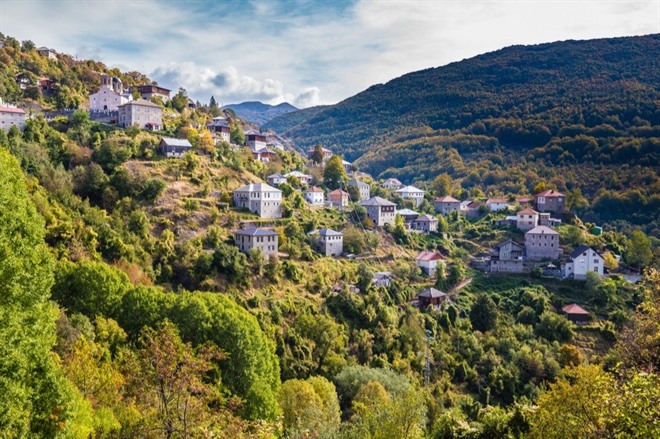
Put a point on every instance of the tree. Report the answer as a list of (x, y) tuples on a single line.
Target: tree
[(610, 261), (638, 251), (364, 277), (236, 134), (442, 185), (317, 155), (334, 174), (483, 313), (553, 327), (309, 406), (180, 100)]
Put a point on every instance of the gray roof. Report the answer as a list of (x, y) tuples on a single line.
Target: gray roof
[(383, 275), (255, 231), (358, 183), (257, 187), (542, 230), (254, 133), (377, 201), (426, 218), (431, 293), (175, 142), (410, 189), (326, 232), (581, 249), (143, 102), (407, 212), (275, 175)]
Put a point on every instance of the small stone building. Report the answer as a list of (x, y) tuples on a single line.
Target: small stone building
[(542, 243), (380, 210), (328, 242), (265, 240), (363, 188)]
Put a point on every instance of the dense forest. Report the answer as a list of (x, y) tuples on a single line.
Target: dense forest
[(128, 311), (579, 114)]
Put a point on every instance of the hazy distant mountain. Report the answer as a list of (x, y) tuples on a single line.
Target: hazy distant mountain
[(260, 113)]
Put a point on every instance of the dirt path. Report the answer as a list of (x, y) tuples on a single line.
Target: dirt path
[(461, 285)]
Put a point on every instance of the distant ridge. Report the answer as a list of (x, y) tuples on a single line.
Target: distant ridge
[(260, 113)]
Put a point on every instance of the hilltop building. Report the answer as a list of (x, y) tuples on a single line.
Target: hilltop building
[(550, 201), (583, 260), (328, 242), (11, 115), (142, 113), (380, 210), (446, 205), (260, 198), (265, 240), (412, 193)]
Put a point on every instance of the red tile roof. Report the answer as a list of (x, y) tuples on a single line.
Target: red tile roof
[(429, 256), (447, 199), (528, 211), (11, 110), (549, 194), (574, 308), (496, 200)]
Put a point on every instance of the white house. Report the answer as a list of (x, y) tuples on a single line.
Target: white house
[(428, 261), (363, 188), (10, 115), (393, 184), (302, 178), (260, 198), (527, 219), (328, 242), (276, 179), (583, 260), (314, 196), (412, 193), (495, 204)]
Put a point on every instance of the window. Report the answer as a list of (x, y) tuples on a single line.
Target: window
[(595, 261)]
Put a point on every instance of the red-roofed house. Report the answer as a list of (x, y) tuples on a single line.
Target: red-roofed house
[(428, 262), (10, 115), (527, 219), (472, 209), (445, 205), (338, 198), (576, 314), (550, 201)]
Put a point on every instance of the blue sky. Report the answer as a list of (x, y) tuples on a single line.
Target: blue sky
[(306, 52)]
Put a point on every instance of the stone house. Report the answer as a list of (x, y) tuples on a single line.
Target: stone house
[(148, 91), (445, 205), (174, 147), (576, 314), (542, 242), (363, 188), (382, 279), (142, 113), (550, 201), (10, 115), (546, 220), (527, 219), (472, 209), (428, 261), (328, 242), (276, 179), (408, 215), (431, 297), (338, 198), (314, 196), (583, 260), (255, 140), (262, 154), (48, 53), (380, 210), (495, 204), (392, 184), (260, 198), (425, 223), (411, 193), (507, 257), (265, 240)]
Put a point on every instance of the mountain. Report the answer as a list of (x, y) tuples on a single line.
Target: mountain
[(515, 117), (259, 113)]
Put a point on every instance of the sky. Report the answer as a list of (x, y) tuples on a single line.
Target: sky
[(305, 52)]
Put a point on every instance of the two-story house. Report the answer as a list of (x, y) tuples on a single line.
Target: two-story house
[(411, 193), (220, 127), (583, 260), (550, 201), (425, 223), (328, 242), (392, 184), (10, 115), (259, 198), (428, 261), (265, 240), (495, 204), (338, 198), (148, 91), (507, 257), (527, 219), (542, 242), (142, 113), (363, 189), (314, 196), (380, 211), (445, 205), (276, 179), (302, 178)]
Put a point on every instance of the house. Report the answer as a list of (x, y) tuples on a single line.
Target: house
[(576, 314), (430, 297), (348, 166), (525, 200), (363, 188), (412, 193), (142, 113), (338, 198), (382, 279), (408, 215), (393, 184), (582, 260), (265, 240), (472, 209), (276, 179), (380, 210), (262, 154), (174, 147), (495, 204), (48, 53), (220, 126), (445, 205), (23, 80), (109, 96), (428, 261), (352, 288), (328, 242), (546, 220), (260, 198), (302, 178), (327, 154), (47, 85), (507, 257), (314, 196), (425, 223), (11, 115), (527, 219), (255, 139), (509, 221), (542, 242), (550, 201), (149, 91)]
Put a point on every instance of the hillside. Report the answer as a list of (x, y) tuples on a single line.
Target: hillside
[(259, 113), (550, 110)]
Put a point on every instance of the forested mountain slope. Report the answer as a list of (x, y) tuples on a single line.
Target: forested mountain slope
[(552, 110), (258, 112)]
